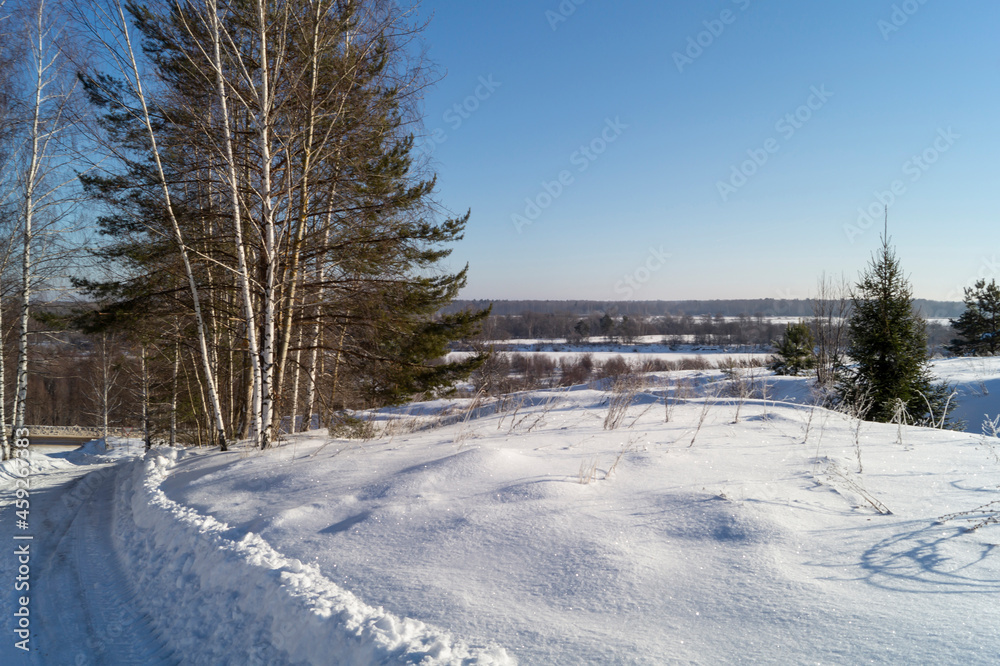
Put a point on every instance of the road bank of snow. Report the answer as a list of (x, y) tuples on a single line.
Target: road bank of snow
[(228, 598)]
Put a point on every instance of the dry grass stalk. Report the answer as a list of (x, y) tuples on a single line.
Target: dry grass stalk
[(622, 395), (705, 406), (987, 514), (854, 486), (588, 471)]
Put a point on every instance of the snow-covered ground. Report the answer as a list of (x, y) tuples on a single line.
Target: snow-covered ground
[(523, 530), (977, 385)]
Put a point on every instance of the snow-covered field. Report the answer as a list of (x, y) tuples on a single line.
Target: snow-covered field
[(977, 385), (524, 531)]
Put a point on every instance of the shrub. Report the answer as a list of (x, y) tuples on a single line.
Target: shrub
[(576, 370), (615, 367)]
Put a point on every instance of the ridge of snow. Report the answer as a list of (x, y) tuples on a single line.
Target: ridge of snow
[(36, 462), (221, 599)]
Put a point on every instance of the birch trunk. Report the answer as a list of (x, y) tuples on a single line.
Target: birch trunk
[(295, 383), (243, 275), (105, 388), (31, 182), (269, 253), (173, 393), (146, 435), (312, 374), (213, 403)]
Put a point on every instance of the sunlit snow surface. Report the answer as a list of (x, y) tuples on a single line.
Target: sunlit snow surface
[(755, 543), (526, 529)]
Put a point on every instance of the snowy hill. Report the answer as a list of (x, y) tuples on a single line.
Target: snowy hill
[(523, 530)]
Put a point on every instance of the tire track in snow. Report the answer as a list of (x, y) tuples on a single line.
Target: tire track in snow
[(86, 611)]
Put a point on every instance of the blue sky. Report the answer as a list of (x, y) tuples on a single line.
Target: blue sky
[(715, 149)]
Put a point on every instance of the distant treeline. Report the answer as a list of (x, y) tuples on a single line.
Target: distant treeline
[(764, 307), (702, 330), (743, 330)]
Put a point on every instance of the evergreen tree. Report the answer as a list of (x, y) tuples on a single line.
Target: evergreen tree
[(580, 330), (607, 327), (888, 345), (795, 352), (312, 234), (979, 326)]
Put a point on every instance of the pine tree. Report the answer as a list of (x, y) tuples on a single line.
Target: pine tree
[(979, 326), (314, 239), (888, 345), (795, 352)]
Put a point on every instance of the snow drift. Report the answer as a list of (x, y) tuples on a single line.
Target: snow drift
[(222, 600)]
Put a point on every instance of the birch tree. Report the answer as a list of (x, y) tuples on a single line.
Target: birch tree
[(8, 224), (42, 128), (104, 382), (111, 19), (279, 139)]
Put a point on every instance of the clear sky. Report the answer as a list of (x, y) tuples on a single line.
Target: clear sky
[(706, 149)]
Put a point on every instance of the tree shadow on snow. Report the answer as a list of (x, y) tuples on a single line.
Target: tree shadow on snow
[(935, 558)]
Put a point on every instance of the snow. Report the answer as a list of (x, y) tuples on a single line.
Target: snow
[(277, 609), (476, 531), (977, 384), (37, 463)]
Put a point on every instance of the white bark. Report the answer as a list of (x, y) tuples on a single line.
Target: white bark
[(270, 254), (311, 375), (243, 276), (45, 170), (173, 393), (292, 428), (135, 80), (35, 157), (292, 274), (147, 437)]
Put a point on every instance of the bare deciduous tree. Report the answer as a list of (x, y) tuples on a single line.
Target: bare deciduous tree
[(831, 311), (39, 193)]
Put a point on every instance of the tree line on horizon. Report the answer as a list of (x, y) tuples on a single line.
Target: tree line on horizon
[(760, 307), (706, 330)]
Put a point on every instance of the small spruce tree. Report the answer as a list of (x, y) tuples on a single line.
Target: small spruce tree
[(888, 345), (795, 353)]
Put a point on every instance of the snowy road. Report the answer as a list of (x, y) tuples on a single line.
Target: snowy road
[(120, 574), (83, 610)]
